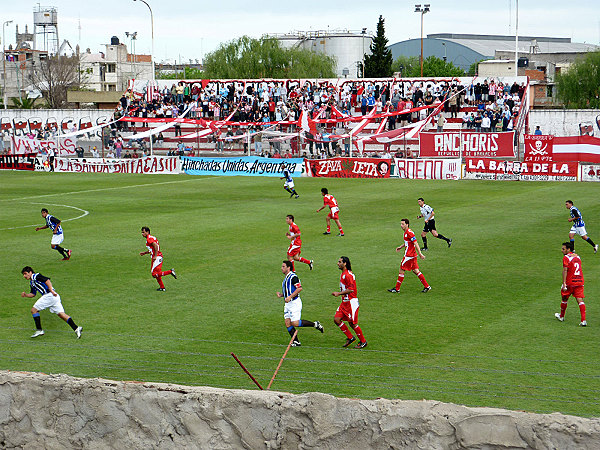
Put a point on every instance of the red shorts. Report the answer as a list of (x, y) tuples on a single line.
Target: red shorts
[(409, 264), (333, 216), (348, 311), (294, 250), (157, 266), (575, 291)]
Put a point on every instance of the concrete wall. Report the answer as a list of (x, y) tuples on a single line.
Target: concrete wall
[(57, 411), (564, 122)]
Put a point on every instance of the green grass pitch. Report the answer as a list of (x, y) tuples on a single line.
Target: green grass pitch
[(484, 336)]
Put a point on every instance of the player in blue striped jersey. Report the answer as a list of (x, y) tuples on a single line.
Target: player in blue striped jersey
[(578, 226), (289, 183), (292, 310), (49, 299), (57, 234)]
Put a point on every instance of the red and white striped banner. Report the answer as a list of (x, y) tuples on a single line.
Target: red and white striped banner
[(577, 148)]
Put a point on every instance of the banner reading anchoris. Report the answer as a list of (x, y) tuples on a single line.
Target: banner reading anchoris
[(349, 167), (149, 164), (469, 145), (245, 166), (427, 169)]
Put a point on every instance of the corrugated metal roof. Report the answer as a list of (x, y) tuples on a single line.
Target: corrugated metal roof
[(488, 47)]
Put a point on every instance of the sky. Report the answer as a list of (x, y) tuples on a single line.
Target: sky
[(188, 29)]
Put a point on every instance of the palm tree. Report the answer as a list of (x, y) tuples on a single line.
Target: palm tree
[(24, 103)]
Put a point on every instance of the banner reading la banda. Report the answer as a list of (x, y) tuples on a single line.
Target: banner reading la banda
[(469, 145), (349, 167), (149, 164)]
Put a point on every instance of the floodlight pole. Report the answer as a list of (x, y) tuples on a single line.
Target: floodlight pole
[(517, 40), (4, 62), (424, 10)]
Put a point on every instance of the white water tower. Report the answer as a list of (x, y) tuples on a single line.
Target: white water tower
[(45, 28)]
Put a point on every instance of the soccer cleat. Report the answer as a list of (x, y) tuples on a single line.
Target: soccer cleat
[(340, 234), (297, 196), (68, 254), (449, 243), (361, 345), (37, 333), (583, 324), (596, 248), (310, 264), (426, 290), (557, 315), (424, 249), (161, 289), (78, 332), (173, 274), (327, 232), (393, 290), (318, 326), (349, 341), (296, 344)]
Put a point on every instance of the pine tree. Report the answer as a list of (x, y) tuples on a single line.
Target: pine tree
[(379, 63)]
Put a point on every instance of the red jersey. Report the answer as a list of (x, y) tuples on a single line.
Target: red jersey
[(348, 281), (329, 200), (574, 274), (295, 230), (410, 250), (149, 240)]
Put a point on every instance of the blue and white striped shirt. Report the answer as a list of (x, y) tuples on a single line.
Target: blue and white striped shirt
[(52, 222), (289, 285), (287, 175), (38, 284), (575, 213)]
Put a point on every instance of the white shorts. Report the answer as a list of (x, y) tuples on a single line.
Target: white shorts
[(51, 302), (578, 230), (293, 310), (334, 210), (57, 239), (157, 262), (289, 184)]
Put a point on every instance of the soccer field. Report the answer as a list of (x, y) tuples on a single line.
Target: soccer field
[(484, 336)]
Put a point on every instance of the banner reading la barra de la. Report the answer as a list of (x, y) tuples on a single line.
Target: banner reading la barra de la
[(492, 169), (244, 166), (349, 167), (469, 145), (149, 164), (24, 161)]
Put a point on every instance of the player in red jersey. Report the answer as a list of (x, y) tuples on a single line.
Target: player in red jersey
[(409, 262), (348, 309), (330, 201), (572, 282), (154, 249), (295, 248)]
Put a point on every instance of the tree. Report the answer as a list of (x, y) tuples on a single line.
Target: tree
[(579, 87), (55, 76), (432, 67), (265, 58), (379, 63), (189, 73), (407, 66), (24, 103)]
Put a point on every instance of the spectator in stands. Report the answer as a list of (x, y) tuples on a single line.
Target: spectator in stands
[(477, 123), (537, 131), (127, 155), (486, 123), (441, 121)]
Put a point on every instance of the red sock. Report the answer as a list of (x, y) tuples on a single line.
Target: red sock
[(341, 231), (328, 229), (160, 283), (163, 274), (563, 308), (304, 260), (399, 281), (582, 310), (359, 333), (345, 330), (423, 280)]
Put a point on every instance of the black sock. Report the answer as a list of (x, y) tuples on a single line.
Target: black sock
[(589, 241), (292, 330), (294, 192), (306, 323), (38, 322), (441, 236), (61, 250), (287, 189), (573, 243), (72, 324), (424, 242)]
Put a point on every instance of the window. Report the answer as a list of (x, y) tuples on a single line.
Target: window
[(111, 68)]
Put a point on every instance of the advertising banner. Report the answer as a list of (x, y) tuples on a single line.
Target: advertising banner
[(147, 165), (467, 145), (24, 161), (539, 148), (349, 167), (492, 169), (589, 172), (244, 166), (22, 145), (427, 169)]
